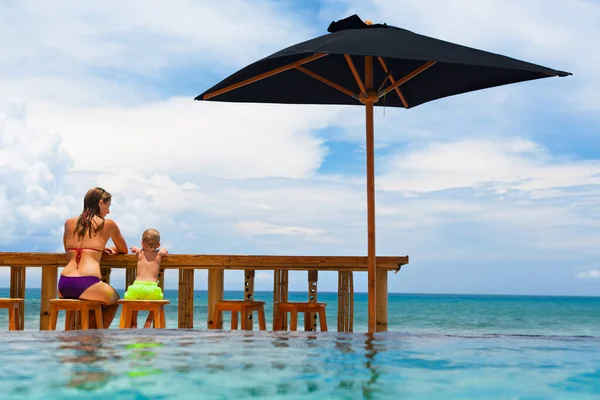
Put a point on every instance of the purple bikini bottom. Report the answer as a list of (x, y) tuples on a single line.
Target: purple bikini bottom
[(71, 287)]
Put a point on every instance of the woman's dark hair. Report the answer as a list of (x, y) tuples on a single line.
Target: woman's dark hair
[(91, 208)]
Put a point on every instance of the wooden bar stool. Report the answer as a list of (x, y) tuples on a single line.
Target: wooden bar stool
[(243, 307), (128, 307), (294, 308), (75, 309), (13, 306)]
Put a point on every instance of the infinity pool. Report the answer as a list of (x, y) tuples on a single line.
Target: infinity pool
[(182, 364)]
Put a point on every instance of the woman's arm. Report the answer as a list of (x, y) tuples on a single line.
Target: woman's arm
[(118, 239)]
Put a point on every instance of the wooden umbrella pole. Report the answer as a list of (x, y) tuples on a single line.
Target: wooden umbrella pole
[(370, 98)]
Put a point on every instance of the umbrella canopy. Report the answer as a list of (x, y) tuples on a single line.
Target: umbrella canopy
[(428, 68), (360, 63)]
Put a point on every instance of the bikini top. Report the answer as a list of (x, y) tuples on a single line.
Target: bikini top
[(79, 251)]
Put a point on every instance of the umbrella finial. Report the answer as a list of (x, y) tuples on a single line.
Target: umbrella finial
[(369, 22)]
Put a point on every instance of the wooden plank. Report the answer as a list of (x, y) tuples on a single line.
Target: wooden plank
[(17, 290), (382, 301), (200, 261), (215, 293), (49, 282)]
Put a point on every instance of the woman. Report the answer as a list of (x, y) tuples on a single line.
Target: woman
[(85, 239)]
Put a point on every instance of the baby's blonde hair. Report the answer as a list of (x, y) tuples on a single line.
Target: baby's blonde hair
[(151, 237)]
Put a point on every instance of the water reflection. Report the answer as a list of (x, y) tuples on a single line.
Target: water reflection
[(370, 388), (86, 356), (143, 357)]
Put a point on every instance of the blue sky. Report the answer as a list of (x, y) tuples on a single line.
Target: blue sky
[(489, 192)]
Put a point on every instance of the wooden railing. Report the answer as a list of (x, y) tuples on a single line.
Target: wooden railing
[(216, 265)]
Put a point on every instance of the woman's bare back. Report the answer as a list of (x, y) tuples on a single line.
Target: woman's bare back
[(90, 248)]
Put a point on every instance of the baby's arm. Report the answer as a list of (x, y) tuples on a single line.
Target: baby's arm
[(161, 253), (134, 249)]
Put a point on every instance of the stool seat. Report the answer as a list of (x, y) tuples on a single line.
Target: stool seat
[(13, 305), (129, 309), (75, 308), (294, 308), (243, 307)]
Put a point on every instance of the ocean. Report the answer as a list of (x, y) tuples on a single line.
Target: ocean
[(437, 347), (412, 313)]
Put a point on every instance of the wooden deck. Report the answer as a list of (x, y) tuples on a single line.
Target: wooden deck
[(216, 265)]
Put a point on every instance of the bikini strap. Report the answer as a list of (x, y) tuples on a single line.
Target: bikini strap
[(79, 252)]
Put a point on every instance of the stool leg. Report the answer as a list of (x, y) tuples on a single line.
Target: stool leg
[(293, 320), (163, 321), (53, 318), (85, 318), (12, 318), (132, 317), (128, 318), (262, 324), (234, 320), (159, 322), (323, 320), (151, 320), (69, 320), (99, 318), (123, 316)]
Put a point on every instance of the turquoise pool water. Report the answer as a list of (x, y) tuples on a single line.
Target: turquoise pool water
[(183, 364)]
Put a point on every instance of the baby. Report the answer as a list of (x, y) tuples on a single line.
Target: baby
[(146, 286)]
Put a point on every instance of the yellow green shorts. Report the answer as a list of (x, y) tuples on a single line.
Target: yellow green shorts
[(143, 290)]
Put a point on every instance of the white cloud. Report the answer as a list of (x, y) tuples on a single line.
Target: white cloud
[(181, 135), (132, 36), (502, 164), (32, 165), (591, 274), (261, 228)]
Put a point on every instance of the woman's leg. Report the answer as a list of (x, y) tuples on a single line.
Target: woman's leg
[(106, 294)]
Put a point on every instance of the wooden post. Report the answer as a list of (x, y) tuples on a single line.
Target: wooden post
[(215, 293), (17, 290), (369, 101), (161, 279), (280, 292), (130, 274), (345, 302), (248, 295), (185, 312), (105, 274), (49, 283), (310, 319), (382, 300)]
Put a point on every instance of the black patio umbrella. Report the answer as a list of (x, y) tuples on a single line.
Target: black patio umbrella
[(360, 63)]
